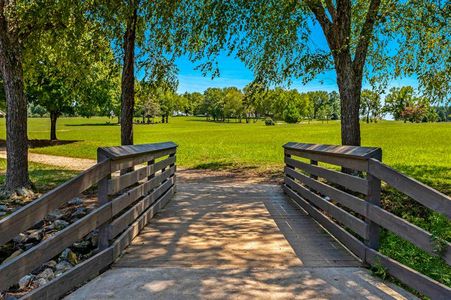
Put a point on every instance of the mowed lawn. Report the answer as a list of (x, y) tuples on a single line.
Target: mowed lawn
[(421, 150)]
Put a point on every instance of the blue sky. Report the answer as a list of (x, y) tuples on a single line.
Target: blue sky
[(234, 73)]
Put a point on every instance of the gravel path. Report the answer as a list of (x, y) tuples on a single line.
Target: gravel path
[(70, 163)]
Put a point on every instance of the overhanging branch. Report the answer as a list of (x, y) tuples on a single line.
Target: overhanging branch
[(365, 35)]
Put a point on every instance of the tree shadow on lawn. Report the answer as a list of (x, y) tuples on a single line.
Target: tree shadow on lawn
[(219, 122), (35, 143), (92, 124), (214, 165), (44, 179)]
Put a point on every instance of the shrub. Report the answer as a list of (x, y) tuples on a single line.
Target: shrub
[(291, 114), (269, 122)]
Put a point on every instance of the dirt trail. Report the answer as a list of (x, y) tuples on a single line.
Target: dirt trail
[(70, 163)]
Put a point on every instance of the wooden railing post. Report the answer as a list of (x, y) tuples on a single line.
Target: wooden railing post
[(172, 165), (287, 155), (102, 197), (315, 163), (374, 197)]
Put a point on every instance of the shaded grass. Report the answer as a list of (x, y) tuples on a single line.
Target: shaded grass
[(44, 177)]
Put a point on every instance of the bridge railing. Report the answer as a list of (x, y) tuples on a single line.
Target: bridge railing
[(347, 204), (129, 194)]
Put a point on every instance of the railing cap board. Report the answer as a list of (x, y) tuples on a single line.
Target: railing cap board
[(119, 152), (334, 150)]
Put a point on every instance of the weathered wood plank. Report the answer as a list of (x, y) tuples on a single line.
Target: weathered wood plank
[(129, 162), (102, 198), (411, 187), (373, 197), (356, 204), (335, 150), (125, 151), (127, 236), (347, 162), (73, 278), (32, 213), (408, 276), (118, 183), (12, 271), (121, 223), (348, 240), (342, 216), (418, 236), (124, 200), (350, 182)]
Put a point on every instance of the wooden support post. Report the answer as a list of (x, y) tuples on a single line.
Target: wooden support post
[(170, 166), (151, 163), (374, 197), (315, 163), (288, 166), (102, 198)]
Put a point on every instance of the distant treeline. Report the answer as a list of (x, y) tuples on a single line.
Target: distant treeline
[(289, 105)]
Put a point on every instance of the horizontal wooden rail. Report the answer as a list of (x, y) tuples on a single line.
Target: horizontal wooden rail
[(131, 196), (347, 239), (119, 224), (118, 183), (34, 212), (350, 182), (356, 204), (123, 216), (355, 224), (418, 191), (312, 193)]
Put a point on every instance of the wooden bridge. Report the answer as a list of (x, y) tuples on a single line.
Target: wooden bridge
[(221, 238)]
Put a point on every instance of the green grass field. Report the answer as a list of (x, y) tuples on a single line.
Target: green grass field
[(420, 150)]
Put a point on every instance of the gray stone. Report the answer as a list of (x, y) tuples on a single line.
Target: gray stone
[(41, 281), (20, 238), (82, 247), (2, 213), (16, 253), (46, 274), (3, 208), (28, 246), (69, 255), (24, 192), (58, 274), (34, 236), (25, 281), (54, 215), (75, 201), (60, 224), (63, 266), (79, 212), (51, 264)]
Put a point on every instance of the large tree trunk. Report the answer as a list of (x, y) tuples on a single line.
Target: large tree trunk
[(53, 118), (349, 86), (16, 112), (128, 81)]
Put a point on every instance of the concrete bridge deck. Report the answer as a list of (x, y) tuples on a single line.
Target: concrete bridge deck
[(223, 239)]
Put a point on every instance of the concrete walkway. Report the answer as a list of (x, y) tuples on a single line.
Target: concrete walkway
[(222, 239)]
